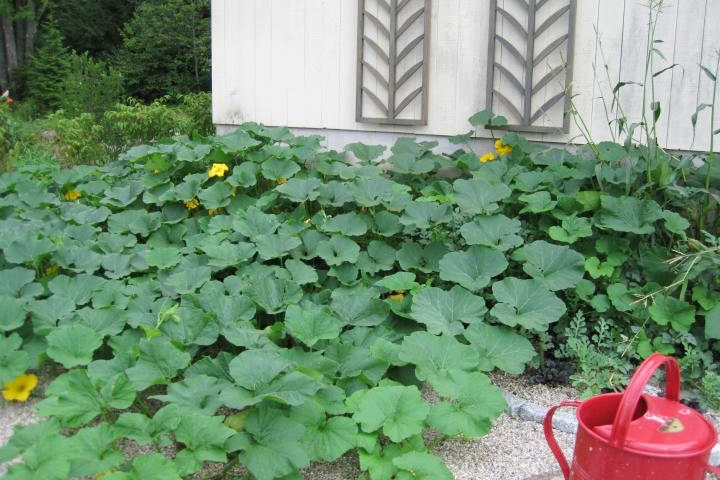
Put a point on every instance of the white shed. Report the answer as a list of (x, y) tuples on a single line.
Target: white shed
[(370, 70)]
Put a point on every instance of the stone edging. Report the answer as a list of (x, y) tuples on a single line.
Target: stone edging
[(563, 421)]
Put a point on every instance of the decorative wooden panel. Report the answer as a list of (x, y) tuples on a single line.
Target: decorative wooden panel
[(392, 73), (530, 63)]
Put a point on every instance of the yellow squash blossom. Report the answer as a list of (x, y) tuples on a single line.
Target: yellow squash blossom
[(488, 157), (72, 195), (52, 270), (214, 211), (18, 390), (281, 181), (218, 170), (192, 204), (397, 296), (502, 149)]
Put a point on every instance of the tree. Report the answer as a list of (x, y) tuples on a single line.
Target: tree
[(166, 48), (19, 20), (93, 26), (47, 69)]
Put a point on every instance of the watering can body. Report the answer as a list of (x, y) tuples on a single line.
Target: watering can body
[(632, 436)]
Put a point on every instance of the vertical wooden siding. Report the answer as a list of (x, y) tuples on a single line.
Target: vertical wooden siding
[(292, 62)]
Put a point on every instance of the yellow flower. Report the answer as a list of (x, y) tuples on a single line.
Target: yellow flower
[(156, 171), (397, 296), (72, 195), (218, 170), (502, 149), (214, 211), (281, 181), (18, 390), (307, 221), (52, 270), (192, 204), (488, 157)]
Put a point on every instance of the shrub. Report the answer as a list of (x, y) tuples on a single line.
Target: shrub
[(76, 139), (133, 122), (89, 86), (166, 48), (195, 114), (46, 71)]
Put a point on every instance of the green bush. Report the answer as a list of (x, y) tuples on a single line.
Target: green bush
[(166, 48), (76, 139), (133, 122), (195, 116), (89, 86), (46, 70), (5, 142)]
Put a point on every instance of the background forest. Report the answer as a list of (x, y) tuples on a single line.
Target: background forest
[(86, 79)]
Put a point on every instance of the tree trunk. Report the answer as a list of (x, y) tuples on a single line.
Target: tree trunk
[(4, 79), (11, 54)]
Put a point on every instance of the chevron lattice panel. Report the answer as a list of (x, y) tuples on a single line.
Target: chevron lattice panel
[(530, 63), (393, 49)]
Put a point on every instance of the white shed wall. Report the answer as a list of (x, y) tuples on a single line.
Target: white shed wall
[(293, 62)]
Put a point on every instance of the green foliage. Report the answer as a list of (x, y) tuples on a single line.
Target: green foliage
[(166, 48), (47, 69), (93, 26), (285, 311), (89, 86)]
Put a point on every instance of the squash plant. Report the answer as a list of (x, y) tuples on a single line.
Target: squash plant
[(255, 299)]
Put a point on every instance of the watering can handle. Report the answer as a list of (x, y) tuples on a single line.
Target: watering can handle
[(635, 389), (550, 437)]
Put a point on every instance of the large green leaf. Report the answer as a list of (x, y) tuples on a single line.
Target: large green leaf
[(196, 394), (73, 345), (13, 313), (472, 268), (75, 399), (678, 313), (350, 224), (446, 311), (474, 404), (556, 267), (12, 280), (274, 295), (421, 466), (159, 362), (399, 411), (311, 323), (526, 303), (434, 356), (497, 231), (500, 347), (300, 189), (325, 438), (338, 250), (479, 197), (261, 375), (270, 446), (275, 245), (13, 361), (629, 214), (145, 467), (204, 438)]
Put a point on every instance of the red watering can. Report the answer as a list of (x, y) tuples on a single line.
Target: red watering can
[(633, 436)]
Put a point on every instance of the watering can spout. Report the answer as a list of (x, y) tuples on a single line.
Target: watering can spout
[(633, 436)]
